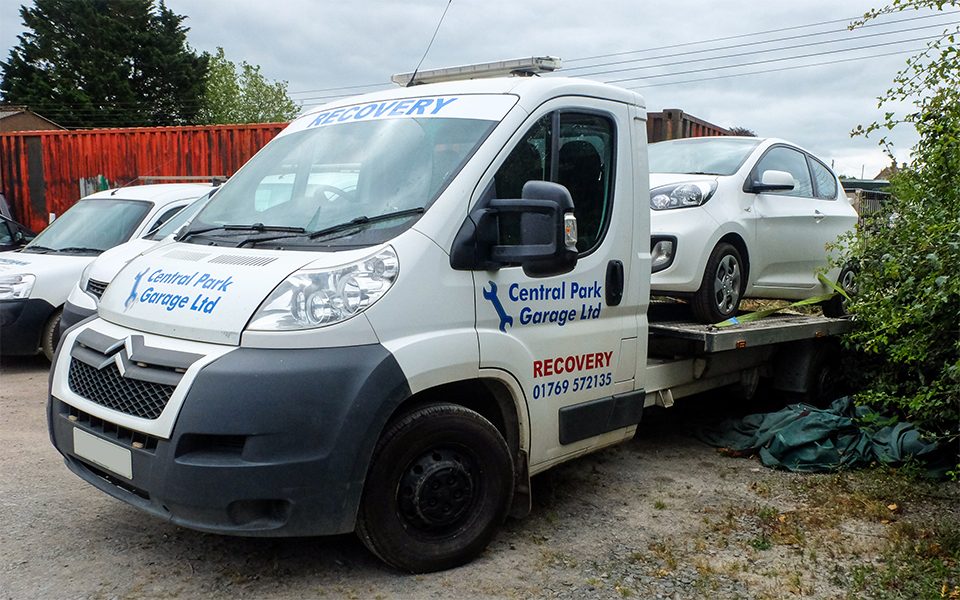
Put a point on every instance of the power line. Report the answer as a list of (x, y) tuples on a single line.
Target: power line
[(766, 61), (744, 35), (737, 46)]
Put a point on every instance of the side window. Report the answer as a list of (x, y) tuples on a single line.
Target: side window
[(791, 161), (164, 217), (575, 150), (6, 233), (826, 182)]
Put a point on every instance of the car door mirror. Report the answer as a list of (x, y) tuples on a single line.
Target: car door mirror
[(547, 233), (772, 181)]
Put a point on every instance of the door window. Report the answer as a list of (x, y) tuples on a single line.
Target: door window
[(791, 161), (575, 150), (826, 182)]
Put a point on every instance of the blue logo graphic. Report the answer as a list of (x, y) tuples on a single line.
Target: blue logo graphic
[(133, 291), (491, 295)]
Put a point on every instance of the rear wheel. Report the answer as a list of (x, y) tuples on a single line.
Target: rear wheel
[(439, 485), (51, 334), (719, 295), (838, 306)]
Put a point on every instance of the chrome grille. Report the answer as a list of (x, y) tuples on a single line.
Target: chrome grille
[(108, 388), (96, 287)]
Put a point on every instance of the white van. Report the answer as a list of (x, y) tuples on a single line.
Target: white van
[(35, 280), (392, 316)]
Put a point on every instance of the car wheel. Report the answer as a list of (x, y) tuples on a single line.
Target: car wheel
[(50, 335), (719, 295), (439, 485), (838, 306)]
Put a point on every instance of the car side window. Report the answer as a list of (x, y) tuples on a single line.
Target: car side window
[(826, 182), (6, 233), (164, 217), (792, 162), (575, 150)]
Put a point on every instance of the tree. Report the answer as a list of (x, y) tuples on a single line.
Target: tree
[(105, 63), (907, 310), (742, 131), (246, 97)]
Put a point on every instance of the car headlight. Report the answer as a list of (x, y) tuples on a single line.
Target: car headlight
[(681, 195), (16, 287), (317, 298), (85, 278)]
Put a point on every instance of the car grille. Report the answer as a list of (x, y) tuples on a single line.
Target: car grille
[(125, 375), (96, 287), (108, 388)]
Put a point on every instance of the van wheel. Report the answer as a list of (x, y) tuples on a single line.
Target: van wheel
[(50, 335), (838, 306), (719, 295), (439, 485)]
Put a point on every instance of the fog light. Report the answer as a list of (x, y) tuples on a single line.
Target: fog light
[(661, 255)]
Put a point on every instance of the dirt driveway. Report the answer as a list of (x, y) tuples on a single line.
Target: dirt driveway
[(662, 516)]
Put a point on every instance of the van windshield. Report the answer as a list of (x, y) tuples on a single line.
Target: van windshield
[(91, 226), (350, 184)]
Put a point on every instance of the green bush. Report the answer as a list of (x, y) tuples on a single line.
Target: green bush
[(906, 333)]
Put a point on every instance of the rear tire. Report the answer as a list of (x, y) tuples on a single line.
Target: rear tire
[(50, 336), (722, 286), (838, 306), (439, 485)]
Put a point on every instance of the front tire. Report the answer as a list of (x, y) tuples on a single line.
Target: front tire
[(50, 335), (722, 286), (439, 485)]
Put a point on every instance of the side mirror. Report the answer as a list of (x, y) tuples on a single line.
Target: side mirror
[(547, 233), (772, 181)]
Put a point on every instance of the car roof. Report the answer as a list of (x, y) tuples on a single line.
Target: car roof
[(158, 193)]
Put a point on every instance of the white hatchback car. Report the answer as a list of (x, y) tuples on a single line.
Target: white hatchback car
[(736, 217), (35, 280)]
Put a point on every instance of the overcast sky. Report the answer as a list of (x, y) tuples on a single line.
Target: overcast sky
[(787, 69)]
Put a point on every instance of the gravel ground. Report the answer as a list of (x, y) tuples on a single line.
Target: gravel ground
[(661, 516)]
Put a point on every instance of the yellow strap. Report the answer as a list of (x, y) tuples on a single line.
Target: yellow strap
[(760, 314)]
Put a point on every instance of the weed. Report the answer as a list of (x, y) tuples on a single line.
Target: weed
[(767, 514), (760, 543), (659, 505)]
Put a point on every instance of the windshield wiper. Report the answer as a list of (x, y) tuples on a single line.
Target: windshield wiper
[(364, 220), (79, 249), (255, 227), (38, 249)]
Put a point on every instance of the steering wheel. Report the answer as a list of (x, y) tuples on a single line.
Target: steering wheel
[(337, 192)]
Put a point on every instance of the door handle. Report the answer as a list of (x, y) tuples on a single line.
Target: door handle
[(614, 282), (818, 216)]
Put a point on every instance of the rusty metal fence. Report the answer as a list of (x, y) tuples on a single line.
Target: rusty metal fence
[(46, 172), (673, 123)]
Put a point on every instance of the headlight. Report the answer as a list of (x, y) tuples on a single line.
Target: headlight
[(310, 299), (16, 287), (681, 195), (85, 278)]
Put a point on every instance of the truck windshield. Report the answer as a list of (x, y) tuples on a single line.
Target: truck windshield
[(91, 226), (701, 156), (316, 180)]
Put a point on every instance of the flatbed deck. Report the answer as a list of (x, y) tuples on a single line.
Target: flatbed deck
[(673, 320)]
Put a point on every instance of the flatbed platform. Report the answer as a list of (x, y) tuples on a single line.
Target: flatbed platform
[(673, 320)]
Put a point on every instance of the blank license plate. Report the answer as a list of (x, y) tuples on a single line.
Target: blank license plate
[(107, 455)]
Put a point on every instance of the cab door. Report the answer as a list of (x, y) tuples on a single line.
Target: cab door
[(569, 340)]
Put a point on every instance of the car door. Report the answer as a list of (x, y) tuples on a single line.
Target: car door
[(569, 340), (790, 236)]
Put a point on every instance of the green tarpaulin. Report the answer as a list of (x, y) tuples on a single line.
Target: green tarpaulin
[(805, 438)]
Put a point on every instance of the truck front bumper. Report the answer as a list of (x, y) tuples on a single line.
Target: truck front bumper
[(266, 442)]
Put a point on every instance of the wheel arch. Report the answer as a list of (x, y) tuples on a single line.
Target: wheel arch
[(735, 240)]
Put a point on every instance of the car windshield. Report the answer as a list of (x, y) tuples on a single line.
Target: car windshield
[(91, 226), (701, 156), (356, 183)]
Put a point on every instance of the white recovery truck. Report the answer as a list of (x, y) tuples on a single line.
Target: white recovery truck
[(395, 314)]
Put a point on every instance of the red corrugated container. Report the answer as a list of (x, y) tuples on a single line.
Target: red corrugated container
[(43, 172), (673, 123)]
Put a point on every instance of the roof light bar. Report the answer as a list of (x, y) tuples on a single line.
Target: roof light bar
[(520, 66)]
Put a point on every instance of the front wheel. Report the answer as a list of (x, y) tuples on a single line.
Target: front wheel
[(439, 485), (50, 335), (719, 295)]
